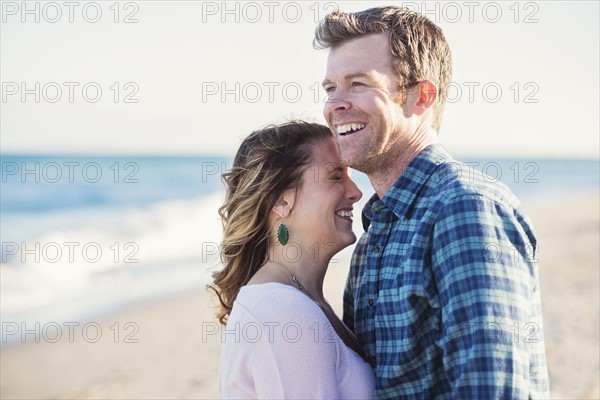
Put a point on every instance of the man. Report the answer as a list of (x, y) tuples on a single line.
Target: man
[(443, 290)]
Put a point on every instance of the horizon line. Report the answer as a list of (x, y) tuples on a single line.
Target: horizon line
[(458, 156)]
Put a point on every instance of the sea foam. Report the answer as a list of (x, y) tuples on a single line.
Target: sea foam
[(134, 255)]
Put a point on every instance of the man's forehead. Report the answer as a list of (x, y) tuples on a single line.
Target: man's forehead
[(372, 41), (359, 56)]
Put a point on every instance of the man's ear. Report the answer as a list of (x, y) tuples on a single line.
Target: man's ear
[(427, 96), (284, 204)]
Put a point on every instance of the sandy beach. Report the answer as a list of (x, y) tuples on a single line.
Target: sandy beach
[(169, 348)]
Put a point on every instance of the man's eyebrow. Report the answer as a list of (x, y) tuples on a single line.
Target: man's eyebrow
[(351, 76), (360, 75)]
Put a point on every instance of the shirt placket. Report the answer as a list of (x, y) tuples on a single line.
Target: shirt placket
[(378, 232)]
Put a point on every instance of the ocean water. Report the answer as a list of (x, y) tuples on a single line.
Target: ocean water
[(84, 236)]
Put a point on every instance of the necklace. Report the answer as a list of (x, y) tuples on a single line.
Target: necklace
[(306, 292), (299, 285), (343, 332)]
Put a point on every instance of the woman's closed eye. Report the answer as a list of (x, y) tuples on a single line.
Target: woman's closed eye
[(337, 178)]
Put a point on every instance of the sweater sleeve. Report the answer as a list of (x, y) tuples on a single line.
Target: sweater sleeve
[(282, 348)]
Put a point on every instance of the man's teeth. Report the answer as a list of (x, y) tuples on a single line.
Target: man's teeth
[(344, 213), (341, 129)]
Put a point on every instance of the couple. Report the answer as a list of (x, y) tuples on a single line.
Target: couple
[(443, 285)]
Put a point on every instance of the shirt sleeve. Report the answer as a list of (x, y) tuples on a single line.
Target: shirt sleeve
[(486, 275), (295, 355)]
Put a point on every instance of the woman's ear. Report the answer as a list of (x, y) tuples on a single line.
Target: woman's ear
[(284, 204)]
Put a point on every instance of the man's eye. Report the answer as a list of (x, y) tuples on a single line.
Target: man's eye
[(354, 84), (329, 89)]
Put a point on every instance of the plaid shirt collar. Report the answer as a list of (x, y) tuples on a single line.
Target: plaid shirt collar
[(401, 196)]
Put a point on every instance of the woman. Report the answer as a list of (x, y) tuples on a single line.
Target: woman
[(287, 211)]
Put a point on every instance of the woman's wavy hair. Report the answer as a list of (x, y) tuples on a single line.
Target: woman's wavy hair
[(268, 162)]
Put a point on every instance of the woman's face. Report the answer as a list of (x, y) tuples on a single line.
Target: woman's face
[(321, 218)]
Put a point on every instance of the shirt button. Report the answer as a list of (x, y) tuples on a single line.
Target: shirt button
[(376, 249), (373, 361), (371, 302)]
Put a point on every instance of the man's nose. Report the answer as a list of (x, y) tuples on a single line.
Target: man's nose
[(337, 101)]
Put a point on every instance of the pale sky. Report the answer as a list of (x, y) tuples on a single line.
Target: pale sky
[(206, 74)]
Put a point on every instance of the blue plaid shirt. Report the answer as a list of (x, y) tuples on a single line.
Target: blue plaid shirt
[(443, 290)]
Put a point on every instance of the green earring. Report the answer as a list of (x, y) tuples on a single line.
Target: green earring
[(283, 234)]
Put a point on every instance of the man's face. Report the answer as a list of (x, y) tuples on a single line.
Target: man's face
[(363, 109)]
